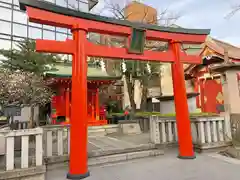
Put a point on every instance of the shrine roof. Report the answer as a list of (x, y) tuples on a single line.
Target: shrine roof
[(74, 13), (219, 47), (65, 71), (215, 48)]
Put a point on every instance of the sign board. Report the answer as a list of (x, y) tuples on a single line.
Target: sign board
[(10, 111)]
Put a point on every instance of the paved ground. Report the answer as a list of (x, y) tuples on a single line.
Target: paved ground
[(167, 167), (117, 142), (95, 144)]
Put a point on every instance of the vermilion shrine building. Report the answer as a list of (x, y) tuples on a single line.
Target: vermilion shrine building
[(209, 86), (80, 48), (61, 103)]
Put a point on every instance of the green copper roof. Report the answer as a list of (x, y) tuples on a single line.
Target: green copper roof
[(74, 13), (65, 71), (192, 49)]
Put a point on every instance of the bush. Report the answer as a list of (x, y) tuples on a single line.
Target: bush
[(146, 114)]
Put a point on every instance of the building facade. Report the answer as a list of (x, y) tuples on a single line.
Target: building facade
[(139, 12), (208, 83), (14, 24)]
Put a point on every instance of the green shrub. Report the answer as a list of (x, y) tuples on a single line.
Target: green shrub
[(198, 114)]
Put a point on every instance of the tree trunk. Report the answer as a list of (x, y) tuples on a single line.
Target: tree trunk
[(130, 87), (31, 120), (160, 83), (144, 94)]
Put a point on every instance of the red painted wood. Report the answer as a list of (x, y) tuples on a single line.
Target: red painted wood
[(181, 106), (197, 90), (209, 93), (97, 104), (202, 104), (113, 52), (52, 46), (78, 136), (67, 47), (67, 105)]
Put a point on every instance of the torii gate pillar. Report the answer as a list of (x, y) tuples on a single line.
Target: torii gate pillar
[(181, 106), (78, 168)]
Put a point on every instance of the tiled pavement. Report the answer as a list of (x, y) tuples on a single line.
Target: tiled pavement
[(167, 167), (117, 142)]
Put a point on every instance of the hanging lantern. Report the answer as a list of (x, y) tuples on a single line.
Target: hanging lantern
[(124, 67), (102, 64), (148, 67)]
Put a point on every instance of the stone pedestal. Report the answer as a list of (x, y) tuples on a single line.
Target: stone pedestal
[(130, 127), (167, 105)]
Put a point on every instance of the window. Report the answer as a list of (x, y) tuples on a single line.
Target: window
[(16, 2), (61, 3), (5, 44), (73, 4), (19, 30), (5, 5), (50, 35), (5, 14), (83, 7), (5, 27), (49, 27), (58, 29), (20, 17), (70, 36), (3, 36), (8, 1), (51, 1), (61, 37), (18, 38), (34, 33), (35, 24)]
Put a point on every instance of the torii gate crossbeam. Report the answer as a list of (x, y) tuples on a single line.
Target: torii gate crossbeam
[(80, 24)]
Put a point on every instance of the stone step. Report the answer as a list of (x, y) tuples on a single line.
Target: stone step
[(124, 157), (97, 132), (107, 159), (102, 130)]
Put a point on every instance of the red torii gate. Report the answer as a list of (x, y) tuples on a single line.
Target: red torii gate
[(80, 24)]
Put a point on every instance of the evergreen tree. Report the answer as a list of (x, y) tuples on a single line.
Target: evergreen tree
[(26, 59)]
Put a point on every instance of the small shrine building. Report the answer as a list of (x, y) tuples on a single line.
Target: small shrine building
[(61, 102), (208, 84)]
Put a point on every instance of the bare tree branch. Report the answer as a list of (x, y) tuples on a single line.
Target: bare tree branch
[(72, 6), (116, 10), (235, 9)]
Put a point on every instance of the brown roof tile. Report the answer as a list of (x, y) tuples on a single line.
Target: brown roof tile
[(219, 47)]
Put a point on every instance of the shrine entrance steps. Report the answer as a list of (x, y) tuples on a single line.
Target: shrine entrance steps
[(110, 149)]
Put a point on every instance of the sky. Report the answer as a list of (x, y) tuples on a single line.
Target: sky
[(206, 14)]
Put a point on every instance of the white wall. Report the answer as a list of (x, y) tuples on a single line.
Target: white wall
[(168, 107), (26, 113)]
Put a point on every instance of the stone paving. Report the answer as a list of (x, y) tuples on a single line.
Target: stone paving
[(97, 145), (117, 142), (167, 167)]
